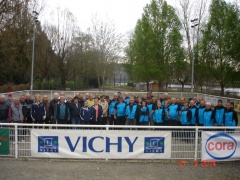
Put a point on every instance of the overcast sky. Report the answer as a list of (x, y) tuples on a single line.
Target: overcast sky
[(124, 13)]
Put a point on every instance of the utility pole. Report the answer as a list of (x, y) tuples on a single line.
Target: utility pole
[(194, 24)]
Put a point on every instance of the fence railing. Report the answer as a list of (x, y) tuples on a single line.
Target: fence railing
[(185, 142)]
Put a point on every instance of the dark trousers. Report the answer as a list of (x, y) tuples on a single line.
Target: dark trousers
[(121, 120), (104, 120), (112, 121)]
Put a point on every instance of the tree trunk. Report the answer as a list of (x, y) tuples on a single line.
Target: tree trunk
[(147, 86), (182, 86), (99, 84), (159, 85), (103, 83), (222, 89)]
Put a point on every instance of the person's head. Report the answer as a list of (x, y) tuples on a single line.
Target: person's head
[(166, 96), (120, 99), (115, 97), (208, 105), (102, 98), (149, 95), (62, 99), (154, 100), (95, 101), (69, 99), (126, 94), (77, 94), (192, 103), (202, 103), (136, 98), (62, 93), (160, 96), (228, 106), (96, 95), (150, 100), (87, 95), (195, 99), (177, 100), (182, 100), (185, 105), (143, 103), (131, 100), (37, 98), (219, 103), (45, 98), (90, 96), (159, 105), (119, 93), (56, 96), (16, 101), (28, 96), (75, 100), (2, 98), (200, 99), (150, 92), (22, 99), (81, 96), (173, 100), (85, 103), (10, 95)]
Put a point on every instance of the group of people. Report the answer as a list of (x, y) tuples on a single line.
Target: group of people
[(120, 110)]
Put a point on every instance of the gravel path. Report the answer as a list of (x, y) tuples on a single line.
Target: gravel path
[(91, 170)]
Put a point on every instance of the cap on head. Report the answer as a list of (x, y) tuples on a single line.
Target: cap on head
[(10, 94)]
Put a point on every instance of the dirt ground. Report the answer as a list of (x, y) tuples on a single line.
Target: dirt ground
[(11, 169)]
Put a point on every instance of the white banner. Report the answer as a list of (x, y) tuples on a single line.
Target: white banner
[(220, 146), (99, 144)]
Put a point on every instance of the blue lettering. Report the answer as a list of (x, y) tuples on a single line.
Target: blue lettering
[(70, 143), (119, 144), (130, 144), (90, 144), (84, 144)]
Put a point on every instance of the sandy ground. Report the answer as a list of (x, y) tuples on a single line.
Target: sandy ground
[(56, 169)]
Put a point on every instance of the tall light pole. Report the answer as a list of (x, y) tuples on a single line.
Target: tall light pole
[(194, 24), (35, 21)]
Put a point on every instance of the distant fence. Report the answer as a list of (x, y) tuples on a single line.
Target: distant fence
[(118, 142), (208, 98)]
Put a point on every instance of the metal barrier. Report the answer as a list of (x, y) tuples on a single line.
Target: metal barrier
[(185, 143)]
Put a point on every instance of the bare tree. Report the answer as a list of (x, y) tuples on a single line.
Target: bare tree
[(60, 35), (107, 44)]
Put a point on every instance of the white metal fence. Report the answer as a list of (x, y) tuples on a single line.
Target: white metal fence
[(185, 143)]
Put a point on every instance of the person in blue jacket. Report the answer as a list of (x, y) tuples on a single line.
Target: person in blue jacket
[(193, 108), (143, 114), (61, 112), (230, 118), (166, 104), (131, 111), (38, 111), (159, 115), (86, 114), (186, 115), (111, 109), (150, 109), (120, 111), (208, 115), (200, 114), (219, 112), (127, 99), (173, 113), (185, 120)]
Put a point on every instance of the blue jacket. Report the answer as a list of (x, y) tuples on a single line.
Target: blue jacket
[(143, 115), (100, 113), (61, 111), (231, 118), (194, 110), (120, 108), (208, 118), (159, 115), (166, 113), (38, 111), (219, 112), (131, 111), (200, 115), (186, 117), (86, 114), (173, 110), (127, 100), (111, 107)]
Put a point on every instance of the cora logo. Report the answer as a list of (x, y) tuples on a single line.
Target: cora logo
[(221, 146)]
